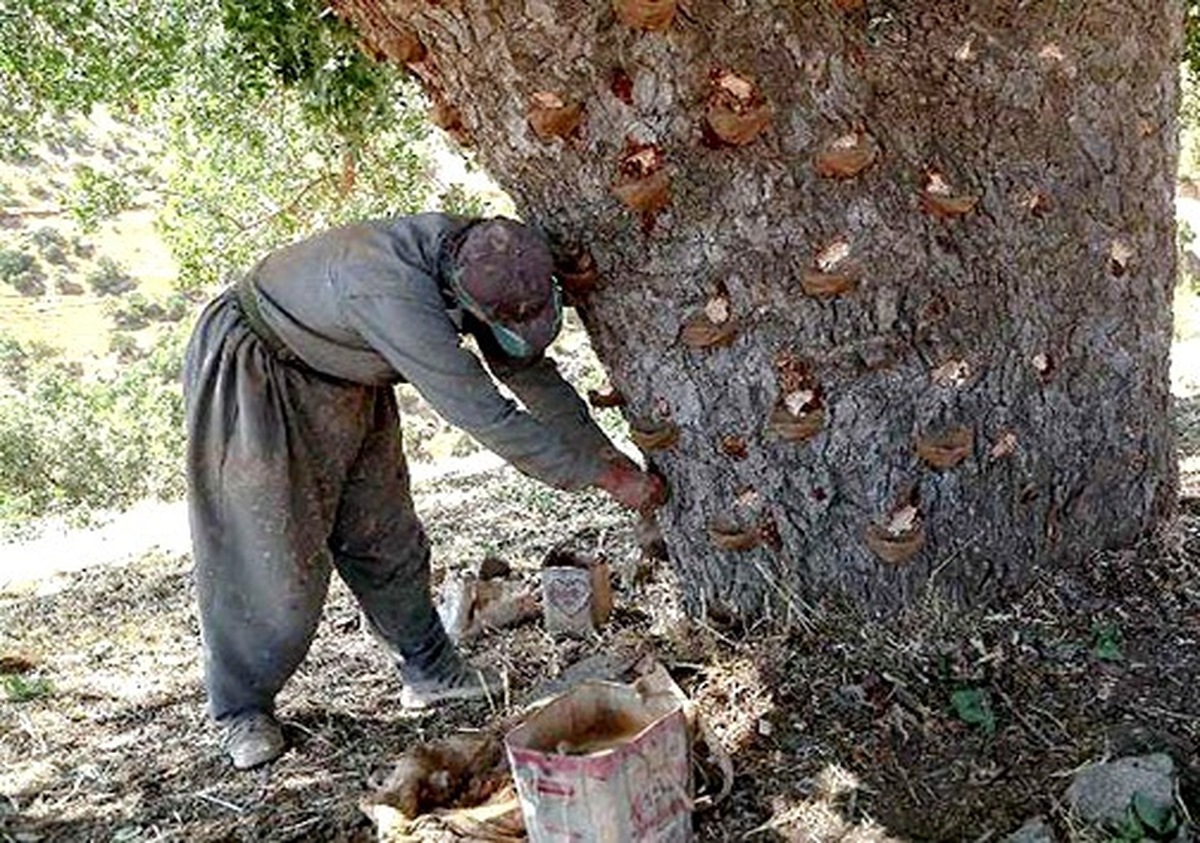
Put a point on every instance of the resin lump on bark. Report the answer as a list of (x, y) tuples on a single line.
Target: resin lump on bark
[(847, 156), (648, 15), (899, 535), (833, 272), (550, 116), (946, 449), (713, 326), (736, 112), (642, 182), (941, 200)]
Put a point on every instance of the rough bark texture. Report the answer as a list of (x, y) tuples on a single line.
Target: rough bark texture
[(948, 257)]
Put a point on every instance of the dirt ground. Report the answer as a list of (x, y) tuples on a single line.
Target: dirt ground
[(844, 730)]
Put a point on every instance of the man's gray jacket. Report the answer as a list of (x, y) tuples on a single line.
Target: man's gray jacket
[(365, 303)]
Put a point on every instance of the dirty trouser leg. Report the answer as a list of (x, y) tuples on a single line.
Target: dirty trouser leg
[(381, 551), (268, 449)]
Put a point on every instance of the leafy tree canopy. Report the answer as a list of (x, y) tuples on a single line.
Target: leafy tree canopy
[(263, 117)]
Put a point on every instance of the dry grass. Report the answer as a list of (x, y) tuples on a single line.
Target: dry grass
[(839, 731)]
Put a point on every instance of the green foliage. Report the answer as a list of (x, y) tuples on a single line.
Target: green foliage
[(1107, 641), (14, 262), (301, 45), (51, 244), (1147, 819), (20, 689), (109, 278), (1191, 36), (1152, 816), (22, 271), (69, 445), (64, 56), (974, 706), (136, 311), (97, 196)]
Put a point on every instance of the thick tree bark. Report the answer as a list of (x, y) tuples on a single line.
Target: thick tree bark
[(910, 318)]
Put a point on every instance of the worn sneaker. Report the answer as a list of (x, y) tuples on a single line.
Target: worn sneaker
[(252, 739), (462, 682)]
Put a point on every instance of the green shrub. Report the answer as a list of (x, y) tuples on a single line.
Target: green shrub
[(96, 196), (82, 248), (65, 286), (131, 313), (13, 262), (51, 244), (22, 271), (109, 278), (70, 446)]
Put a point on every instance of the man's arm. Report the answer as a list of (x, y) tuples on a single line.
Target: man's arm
[(554, 402), (411, 330), (557, 405)]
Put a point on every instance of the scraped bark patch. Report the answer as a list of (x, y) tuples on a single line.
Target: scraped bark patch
[(609, 396), (948, 449), (649, 15), (736, 112), (551, 117), (642, 182), (711, 327), (847, 156), (941, 200), (656, 436)]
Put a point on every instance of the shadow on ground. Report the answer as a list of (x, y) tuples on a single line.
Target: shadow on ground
[(840, 729)]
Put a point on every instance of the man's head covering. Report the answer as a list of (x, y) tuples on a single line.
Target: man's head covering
[(504, 275)]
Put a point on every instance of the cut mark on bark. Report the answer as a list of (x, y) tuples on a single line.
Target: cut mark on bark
[(389, 41), (1042, 364), (621, 85), (952, 373), (1119, 255), (1005, 444), (448, 118), (735, 447), (725, 536), (576, 271), (648, 15), (642, 181), (834, 274), (711, 327), (796, 427), (847, 156), (657, 436), (900, 535), (608, 396), (941, 200), (948, 449), (736, 112), (799, 413), (826, 285), (895, 549), (551, 117)]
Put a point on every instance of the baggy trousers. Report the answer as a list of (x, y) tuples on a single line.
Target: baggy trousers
[(292, 474)]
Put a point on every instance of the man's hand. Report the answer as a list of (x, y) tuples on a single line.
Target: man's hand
[(631, 487)]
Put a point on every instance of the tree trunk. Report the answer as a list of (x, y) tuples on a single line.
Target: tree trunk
[(899, 275)]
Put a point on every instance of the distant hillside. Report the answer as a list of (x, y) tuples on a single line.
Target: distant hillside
[(70, 285)]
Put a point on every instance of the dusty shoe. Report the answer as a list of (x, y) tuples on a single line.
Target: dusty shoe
[(462, 682), (252, 739)]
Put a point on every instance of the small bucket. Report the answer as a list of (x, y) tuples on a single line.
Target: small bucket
[(604, 763), (576, 593)]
